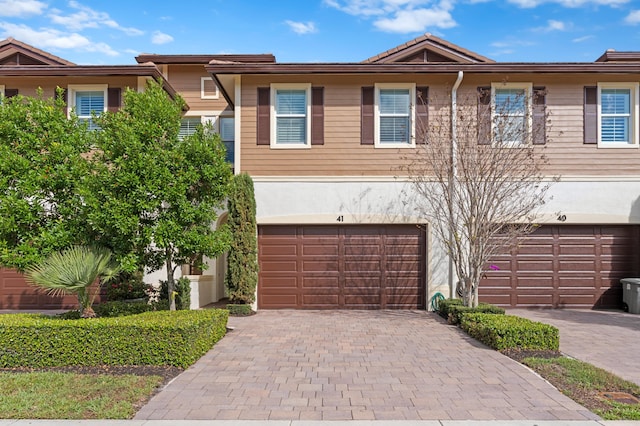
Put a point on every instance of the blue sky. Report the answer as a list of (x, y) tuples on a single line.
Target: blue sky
[(115, 31)]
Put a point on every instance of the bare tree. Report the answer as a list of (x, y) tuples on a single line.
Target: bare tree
[(478, 175)]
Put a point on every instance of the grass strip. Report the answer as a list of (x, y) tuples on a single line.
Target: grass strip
[(586, 384), (55, 395)]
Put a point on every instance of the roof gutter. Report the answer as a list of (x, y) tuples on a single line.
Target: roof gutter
[(454, 160)]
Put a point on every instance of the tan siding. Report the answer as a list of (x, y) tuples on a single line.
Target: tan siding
[(186, 80), (30, 86), (342, 154)]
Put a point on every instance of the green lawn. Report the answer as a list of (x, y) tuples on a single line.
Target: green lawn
[(54, 395), (587, 385)]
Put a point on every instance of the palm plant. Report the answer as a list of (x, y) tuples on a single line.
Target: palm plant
[(73, 271)]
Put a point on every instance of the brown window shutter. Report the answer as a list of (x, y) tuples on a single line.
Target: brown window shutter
[(113, 99), (263, 131), (317, 116), (10, 93), (367, 119), (484, 115), (539, 133), (590, 115), (422, 114)]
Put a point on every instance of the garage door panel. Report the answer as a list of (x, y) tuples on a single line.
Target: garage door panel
[(525, 249), (280, 266), (347, 266), (323, 282), (362, 250), (279, 282), (532, 265), (578, 266), (585, 283), (320, 250)]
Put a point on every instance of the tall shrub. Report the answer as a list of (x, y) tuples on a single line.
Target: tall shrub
[(242, 271)]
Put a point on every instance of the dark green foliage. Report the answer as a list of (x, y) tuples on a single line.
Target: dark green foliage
[(183, 293), (239, 310), (119, 308), (242, 271), (510, 332), (153, 197), (445, 305), (126, 286), (151, 338), (455, 312), (41, 168)]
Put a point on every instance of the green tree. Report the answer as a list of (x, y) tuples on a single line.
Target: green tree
[(73, 271), (242, 270), (41, 168), (153, 196)]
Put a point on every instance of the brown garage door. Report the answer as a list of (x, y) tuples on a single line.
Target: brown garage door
[(574, 266), (16, 293), (342, 267)]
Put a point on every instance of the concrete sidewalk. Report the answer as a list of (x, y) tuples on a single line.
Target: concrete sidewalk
[(356, 365), (315, 423)]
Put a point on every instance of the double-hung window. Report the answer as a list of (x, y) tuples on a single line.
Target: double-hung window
[(227, 134), (188, 126), (511, 114), (394, 116), (291, 112), (88, 100), (618, 115)]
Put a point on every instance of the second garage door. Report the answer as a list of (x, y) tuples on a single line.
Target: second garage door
[(342, 267), (16, 293), (574, 266)]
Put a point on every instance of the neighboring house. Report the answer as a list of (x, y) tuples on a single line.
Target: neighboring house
[(324, 143)]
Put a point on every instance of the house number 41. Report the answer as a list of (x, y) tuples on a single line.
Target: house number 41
[(340, 219)]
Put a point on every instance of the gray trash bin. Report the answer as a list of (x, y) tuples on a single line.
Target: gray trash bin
[(631, 294)]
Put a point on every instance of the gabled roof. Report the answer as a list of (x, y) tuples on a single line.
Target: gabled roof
[(428, 49), (615, 56), (205, 59), (14, 52)]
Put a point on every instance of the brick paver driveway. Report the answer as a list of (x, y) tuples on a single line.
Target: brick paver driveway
[(362, 365)]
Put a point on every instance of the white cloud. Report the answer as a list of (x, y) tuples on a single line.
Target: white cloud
[(47, 38), (85, 17), (302, 27), (553, 25), (21, 8), (633, 17), (161, 38), (400, 16), (568, 3), (582, 39), (418, 20)]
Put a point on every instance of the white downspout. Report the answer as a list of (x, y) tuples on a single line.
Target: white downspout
[(454, 169)]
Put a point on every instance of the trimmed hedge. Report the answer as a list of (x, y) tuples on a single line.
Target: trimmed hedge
[(176, 338), (456, 311), (444, 306), (510, 332)]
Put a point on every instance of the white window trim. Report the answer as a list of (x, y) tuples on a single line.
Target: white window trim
[(293, 86), (202, 91), (73, 88), (528, 92), (633, 111), (412, 115)]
